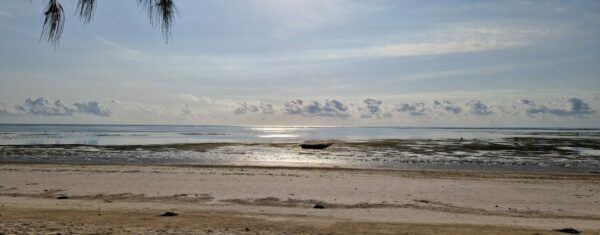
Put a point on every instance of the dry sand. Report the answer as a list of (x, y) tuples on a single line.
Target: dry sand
[(253, 200)]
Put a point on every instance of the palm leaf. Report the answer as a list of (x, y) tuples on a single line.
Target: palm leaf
[(161, 14), (54, 22), (85, 9)]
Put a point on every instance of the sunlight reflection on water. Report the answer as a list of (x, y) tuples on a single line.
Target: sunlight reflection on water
[(279, 129), (146, 135), (279, 136)]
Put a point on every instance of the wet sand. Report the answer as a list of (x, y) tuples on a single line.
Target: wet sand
[(275, 200)]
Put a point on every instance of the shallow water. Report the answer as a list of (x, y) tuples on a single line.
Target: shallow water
[(161, 134), (391, 148)]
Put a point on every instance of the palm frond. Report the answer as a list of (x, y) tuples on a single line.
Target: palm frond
[(85, 9), (161, 14), (54, 22)]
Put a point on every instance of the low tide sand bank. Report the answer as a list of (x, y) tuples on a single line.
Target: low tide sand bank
[(110, 198)]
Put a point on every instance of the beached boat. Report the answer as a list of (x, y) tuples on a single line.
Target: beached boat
[(316, 145)]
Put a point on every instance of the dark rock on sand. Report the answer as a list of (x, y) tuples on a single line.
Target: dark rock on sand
[(568, 230), (169, 213), (319, 206), (61, 197)]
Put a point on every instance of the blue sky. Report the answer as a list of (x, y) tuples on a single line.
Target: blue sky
[(273, 62)]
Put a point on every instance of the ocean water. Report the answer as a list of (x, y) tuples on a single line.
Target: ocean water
[(514, 149), (164, 134)]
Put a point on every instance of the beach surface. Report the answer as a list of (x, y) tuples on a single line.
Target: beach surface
[(108, 199)]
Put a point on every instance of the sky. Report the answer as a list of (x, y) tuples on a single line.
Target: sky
[(307, 62)]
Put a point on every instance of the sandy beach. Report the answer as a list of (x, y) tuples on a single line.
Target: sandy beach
[(106, 199)]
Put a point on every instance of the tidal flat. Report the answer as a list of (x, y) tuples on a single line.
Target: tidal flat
[(532, 153)]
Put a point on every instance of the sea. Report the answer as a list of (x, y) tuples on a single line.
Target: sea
[(561, 150)]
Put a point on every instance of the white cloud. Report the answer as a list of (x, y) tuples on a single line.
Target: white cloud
[(6, 108), (452, 109), (330, 108), (188, 97), (560, 9), (44, 107), (369, 111), (457, 39), (5, 15), (454, 39), (448, 106), (414, 109), (373, 108), (479, 108), (561, 107), (248, 108), (186, 110), (305, 15), (92, 107)]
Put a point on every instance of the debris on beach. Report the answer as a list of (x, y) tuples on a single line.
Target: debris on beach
[(61, 197), (568, 230), (169, 213), (318, 206)]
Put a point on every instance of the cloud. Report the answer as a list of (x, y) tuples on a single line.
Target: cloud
[(568, 107), (136, 106), (188, 97), (448, 40), (330, 108), (373, 108), (6, 109), (448, 106), (92, 107), (380, 111), (458, 39), (528, 102), (414, 109), (479, 108), (223, 104), (245, 108), (306, 15), (43, 107), (5, 15), (435, 108), (186, 109), (560, 9), (373, 105)]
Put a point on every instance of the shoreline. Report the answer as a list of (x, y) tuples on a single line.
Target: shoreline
[(462, 172), (272, 200)]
